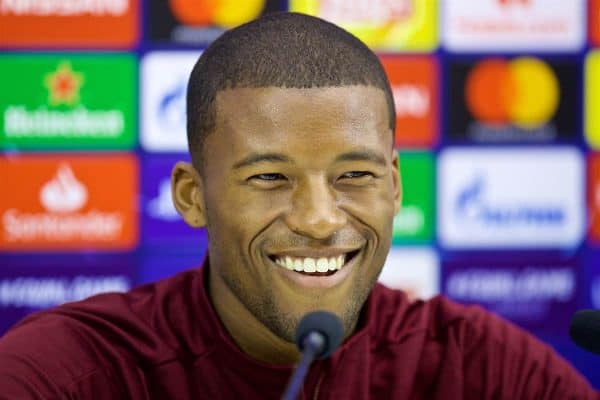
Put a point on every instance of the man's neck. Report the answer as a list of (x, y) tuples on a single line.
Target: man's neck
[(249, 333)]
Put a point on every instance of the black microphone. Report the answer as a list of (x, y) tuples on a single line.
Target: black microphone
[(318, 335), (585, 330)]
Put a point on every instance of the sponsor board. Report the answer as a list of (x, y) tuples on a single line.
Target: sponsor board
[(160, 265), (161, 223), (69, 202), (164, 77), (513, 25), (594, 22), (592, 99), (414, 270), (415, 86), (519, 100), (67, 101), (415, 221), (385, 25), (199, 22), (68, 23), (32, 284), (511, 197), (536, 295), (593, 197)]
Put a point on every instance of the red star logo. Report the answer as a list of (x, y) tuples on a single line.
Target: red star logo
[(63, 85)]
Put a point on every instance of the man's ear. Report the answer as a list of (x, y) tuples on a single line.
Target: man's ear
[(186, 191), (397, 182)]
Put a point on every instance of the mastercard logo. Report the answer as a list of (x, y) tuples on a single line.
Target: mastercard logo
[(523, 91), (224, 13)]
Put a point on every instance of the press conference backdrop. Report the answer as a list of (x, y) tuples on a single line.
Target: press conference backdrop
[(498, 127)]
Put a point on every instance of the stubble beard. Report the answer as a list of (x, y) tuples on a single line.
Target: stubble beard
[(283, 323)]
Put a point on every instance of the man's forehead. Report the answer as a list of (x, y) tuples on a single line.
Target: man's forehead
[(255, 119), (353, 101)]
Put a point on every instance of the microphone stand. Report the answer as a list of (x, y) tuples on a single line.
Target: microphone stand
[(313, 345)]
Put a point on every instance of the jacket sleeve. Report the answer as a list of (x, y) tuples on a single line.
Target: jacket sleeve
[(502, 361)]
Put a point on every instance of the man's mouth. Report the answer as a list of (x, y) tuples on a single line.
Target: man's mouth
[(314, 266)]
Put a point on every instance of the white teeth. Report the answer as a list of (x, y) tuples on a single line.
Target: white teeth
[(309, 264), (322, 265), (289, 263), (332, 264)]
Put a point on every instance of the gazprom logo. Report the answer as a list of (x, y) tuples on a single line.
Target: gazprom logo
[(472, 204), (171, 107), (512, 198)]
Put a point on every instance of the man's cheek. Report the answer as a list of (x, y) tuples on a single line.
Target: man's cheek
[(371, 211)]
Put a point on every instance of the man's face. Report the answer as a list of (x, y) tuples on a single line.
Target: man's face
[(300, 187)]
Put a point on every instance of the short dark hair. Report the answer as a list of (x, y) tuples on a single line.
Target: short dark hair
[(287, 50)]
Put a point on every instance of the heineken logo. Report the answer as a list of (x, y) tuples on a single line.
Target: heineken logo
[(415, 221), (84, 99), (63, 87)]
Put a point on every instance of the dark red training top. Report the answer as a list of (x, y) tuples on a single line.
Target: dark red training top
[(164, 341)]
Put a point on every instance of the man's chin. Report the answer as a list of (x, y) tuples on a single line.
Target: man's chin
[(286, 324), (283, 326)]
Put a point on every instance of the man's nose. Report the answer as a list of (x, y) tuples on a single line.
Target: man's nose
[(314, 211)]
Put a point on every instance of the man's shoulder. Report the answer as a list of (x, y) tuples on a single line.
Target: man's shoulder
[(97, 343), (435, 318), (472, 346), (140, 322)]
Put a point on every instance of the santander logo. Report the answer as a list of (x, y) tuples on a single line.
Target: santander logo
[(78, 202), (64, 193)]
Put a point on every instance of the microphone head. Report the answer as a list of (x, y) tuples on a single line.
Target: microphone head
[(585, 330), (327, 324)]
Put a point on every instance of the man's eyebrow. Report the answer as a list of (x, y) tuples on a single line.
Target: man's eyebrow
[(256, 158), (362, 155)]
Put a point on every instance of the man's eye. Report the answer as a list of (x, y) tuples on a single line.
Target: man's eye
[(357, 174), (267, 177)]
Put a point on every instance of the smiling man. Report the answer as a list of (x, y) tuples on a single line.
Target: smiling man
[(294, 176), (297, 188)]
